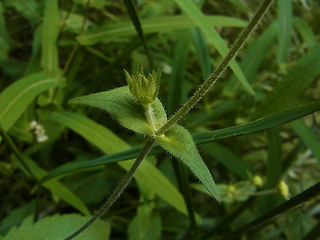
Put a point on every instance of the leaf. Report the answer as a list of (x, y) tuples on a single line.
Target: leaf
[(305, 31), (199, 19), (178, 141), (108, 142), (59, 227), (293, 85), (285, 26), (151, 25), (15, 98), (121, 104), (264, 123), (50, 32), (56, 188), (308, 137)]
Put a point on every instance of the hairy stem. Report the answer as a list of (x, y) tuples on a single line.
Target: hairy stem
[(119, 190), (219, 70)]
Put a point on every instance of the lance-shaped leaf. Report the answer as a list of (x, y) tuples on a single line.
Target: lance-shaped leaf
[(122, 105), (178, 141)]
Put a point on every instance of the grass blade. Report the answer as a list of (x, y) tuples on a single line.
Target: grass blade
[(308, 137), (196, 15), (285, 26), (151, 25), (50, 32), (136, 22)]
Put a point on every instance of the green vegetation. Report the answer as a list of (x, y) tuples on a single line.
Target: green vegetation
[(255, 131)]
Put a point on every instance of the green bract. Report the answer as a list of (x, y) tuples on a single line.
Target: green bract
[(144, 89)]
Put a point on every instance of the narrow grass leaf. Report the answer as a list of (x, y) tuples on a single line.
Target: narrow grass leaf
[(285, 26), (305, 31), (50, 32), (120, 103), (267, 122), (293, 85), (137, 25), (16, 97), (308, 137), (108, 142), (59, 227), (232, 161), (178, 141), (196, 15), (113, 31)]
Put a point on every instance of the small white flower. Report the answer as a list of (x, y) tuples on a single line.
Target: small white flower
[(39, 131)]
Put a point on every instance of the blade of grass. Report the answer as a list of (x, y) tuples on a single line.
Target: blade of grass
[(305, 196), (285, 26), (136, 22), (151, 25), (314, 233), (267, 122), (50, 32), (305, 31), (308, 137), (196, 15)]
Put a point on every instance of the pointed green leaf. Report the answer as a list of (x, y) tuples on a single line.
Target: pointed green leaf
[(59, 227), (15, 98), (178, 141), (121, 104)]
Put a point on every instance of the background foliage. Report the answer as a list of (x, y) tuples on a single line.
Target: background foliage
[(59, 161)]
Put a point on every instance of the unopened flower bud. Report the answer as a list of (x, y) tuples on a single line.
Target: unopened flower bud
[(144, 89)]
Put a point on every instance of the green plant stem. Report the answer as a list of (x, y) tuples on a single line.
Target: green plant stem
[(219, 70), (181, 112), (16, 151), (296, 201), (119, 189)]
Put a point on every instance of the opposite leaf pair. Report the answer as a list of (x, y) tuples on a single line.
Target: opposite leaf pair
[(137, 108)]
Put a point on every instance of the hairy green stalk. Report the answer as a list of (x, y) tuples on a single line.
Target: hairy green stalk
[(180, 113), (120, 188)]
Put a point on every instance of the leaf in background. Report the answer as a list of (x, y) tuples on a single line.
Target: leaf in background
[(108, 142), (197, 16), (232, 161), (151, 25), (121, 104), (15, 98), (293, 85), (308, 137), (50, 32), (285, 26), (57, 189), (178, 141), (59, 227), (305, 31)]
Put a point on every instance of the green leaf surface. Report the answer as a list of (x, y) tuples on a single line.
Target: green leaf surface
[(199, 19), (178, 141), (15, 98), (59, 227), (108, 142), (285, 26), (50, 32), (267, 122), (293, 85), (57, 189), (308, 137), (121, 104), (305, 31), (151, 25)]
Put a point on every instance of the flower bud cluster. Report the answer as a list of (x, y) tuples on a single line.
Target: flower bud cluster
[(39, 131), (144, 89)]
